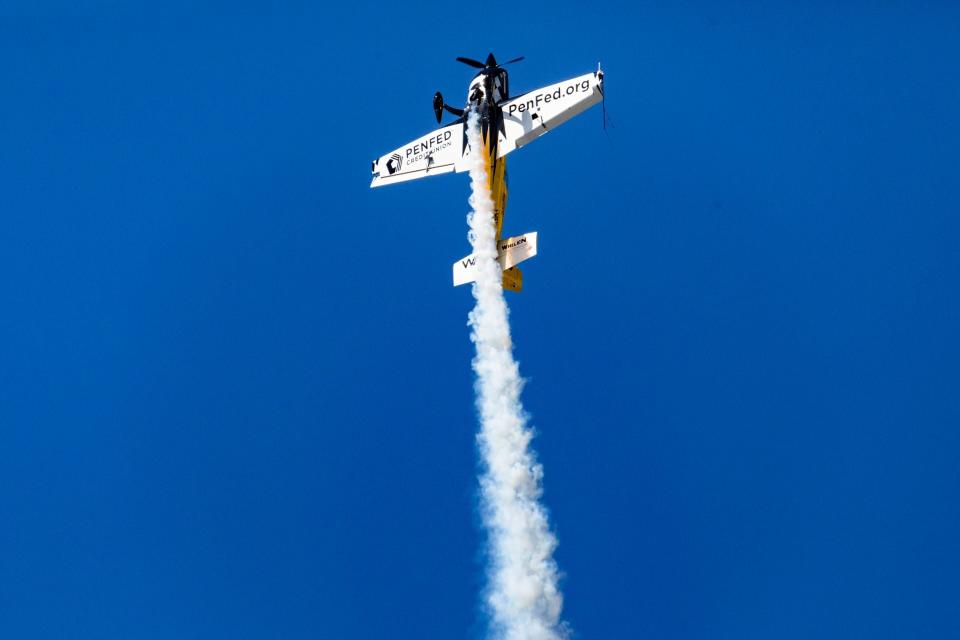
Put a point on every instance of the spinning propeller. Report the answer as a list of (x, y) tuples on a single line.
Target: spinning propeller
[(491, 62), (438, 104)]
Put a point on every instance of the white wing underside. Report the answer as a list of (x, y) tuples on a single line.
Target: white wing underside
[(529, 116), (434, 153), (525, 118)]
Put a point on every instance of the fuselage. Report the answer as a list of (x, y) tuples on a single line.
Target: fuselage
[(489, 88)]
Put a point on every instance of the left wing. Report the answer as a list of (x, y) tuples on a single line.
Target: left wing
[(527, 117), (436, 152)]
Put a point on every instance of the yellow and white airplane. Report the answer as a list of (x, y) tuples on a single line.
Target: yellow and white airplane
[(505, 124)]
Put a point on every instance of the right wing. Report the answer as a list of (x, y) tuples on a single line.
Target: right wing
[(436, 152), (527, 117)]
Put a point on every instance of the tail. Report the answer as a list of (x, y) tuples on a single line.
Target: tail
[(513, 279), (510, 253)]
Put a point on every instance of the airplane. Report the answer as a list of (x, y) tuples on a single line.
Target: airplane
[(506, 123)]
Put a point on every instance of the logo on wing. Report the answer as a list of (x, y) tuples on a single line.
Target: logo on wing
[(394, 164)]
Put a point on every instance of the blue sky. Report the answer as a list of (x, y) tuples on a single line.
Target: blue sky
[(235, 394)]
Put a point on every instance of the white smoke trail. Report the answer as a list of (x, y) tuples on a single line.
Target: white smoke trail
[(522, 593)]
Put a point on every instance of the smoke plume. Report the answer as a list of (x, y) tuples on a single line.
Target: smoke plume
[(522, 594)]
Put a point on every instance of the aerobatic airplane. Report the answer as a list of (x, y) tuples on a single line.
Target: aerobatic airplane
[(505, 124)]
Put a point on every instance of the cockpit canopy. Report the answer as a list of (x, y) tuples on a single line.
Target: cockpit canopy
[(489, 80)]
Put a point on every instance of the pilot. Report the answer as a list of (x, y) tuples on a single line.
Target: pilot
[(477, 94)]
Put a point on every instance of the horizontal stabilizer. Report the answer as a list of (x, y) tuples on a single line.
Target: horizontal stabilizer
[(510, 252)]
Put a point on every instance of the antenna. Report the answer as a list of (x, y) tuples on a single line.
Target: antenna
[(603, 103)]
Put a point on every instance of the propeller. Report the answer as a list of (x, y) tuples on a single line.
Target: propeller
[(472, 63), (491, 62)]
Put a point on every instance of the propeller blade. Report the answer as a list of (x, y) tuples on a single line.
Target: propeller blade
[(472, 63), (512, 61)]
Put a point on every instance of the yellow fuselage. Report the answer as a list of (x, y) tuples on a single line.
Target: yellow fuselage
[(497, 184)]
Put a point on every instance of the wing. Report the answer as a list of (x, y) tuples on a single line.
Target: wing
[(436, 152), (531, 115)]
